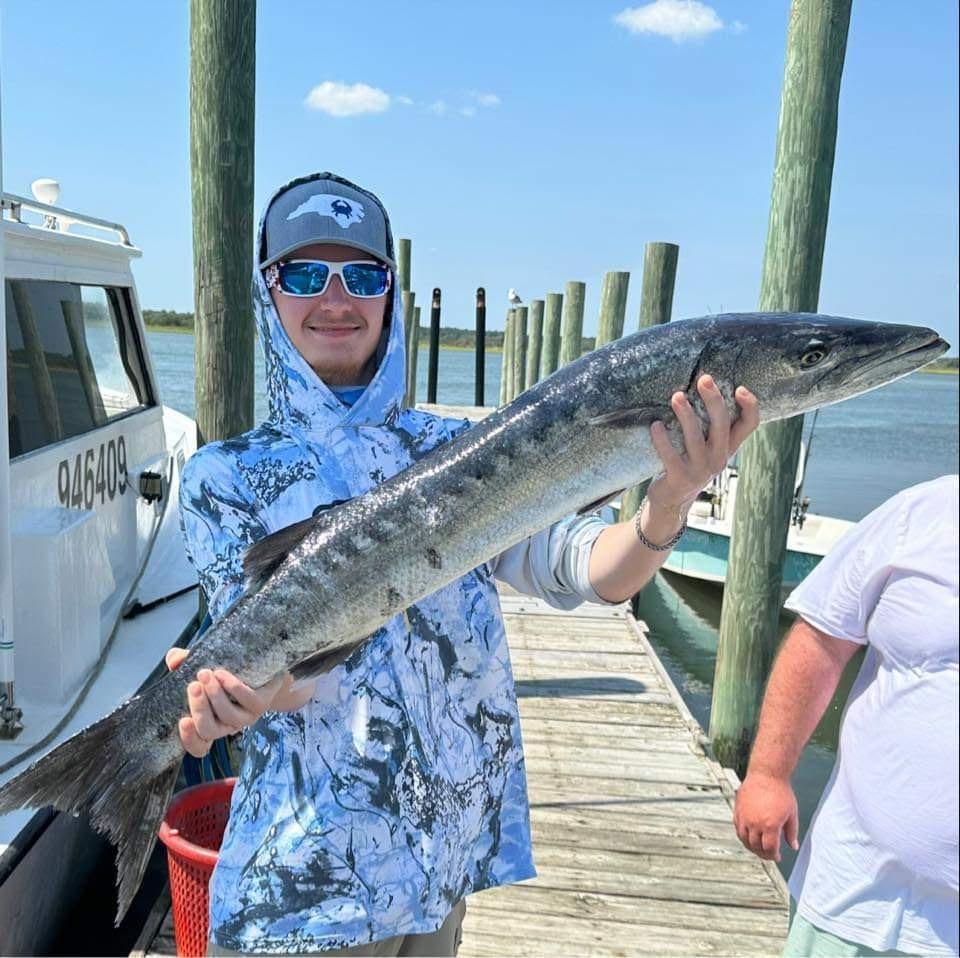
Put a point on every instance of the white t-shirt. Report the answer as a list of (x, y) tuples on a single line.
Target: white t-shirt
[(878, 864)]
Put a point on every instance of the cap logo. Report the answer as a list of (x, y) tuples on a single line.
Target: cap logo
[(344, 212)]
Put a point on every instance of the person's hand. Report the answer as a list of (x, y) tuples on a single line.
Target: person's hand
[(220, 704), (766, 807), (686, 474)]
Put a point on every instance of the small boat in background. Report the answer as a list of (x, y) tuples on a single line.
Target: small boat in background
[(704, 550)]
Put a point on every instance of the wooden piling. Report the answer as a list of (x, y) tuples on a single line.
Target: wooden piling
[(613, 306), (413, 354), (519, 351), (403, 264), (550, 353), (534, 342), (408, 302), (806, 143), (506, 360), (222, 85), (656, 306), (434, 356), (480, 353), (571, 343)]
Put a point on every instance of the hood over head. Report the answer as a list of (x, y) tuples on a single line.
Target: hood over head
[(298, 397)]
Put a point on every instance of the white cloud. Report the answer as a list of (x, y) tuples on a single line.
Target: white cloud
[(346, 99), (404, 101), (485, 99), (468, 111), (738, 26), (678, 19), (438, 107)]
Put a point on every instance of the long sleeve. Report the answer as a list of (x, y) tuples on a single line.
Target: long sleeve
[(219, 521), (553, 565)]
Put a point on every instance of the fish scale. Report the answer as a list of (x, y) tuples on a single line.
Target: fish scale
[(321, 587)]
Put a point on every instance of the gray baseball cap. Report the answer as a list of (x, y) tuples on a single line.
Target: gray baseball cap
[(325, 208)]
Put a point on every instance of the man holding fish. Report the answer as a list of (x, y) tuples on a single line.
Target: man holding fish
[(373, 799)]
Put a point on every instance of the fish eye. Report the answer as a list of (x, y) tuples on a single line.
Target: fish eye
[(814, 353)]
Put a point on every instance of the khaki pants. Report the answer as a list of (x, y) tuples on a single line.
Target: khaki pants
[(442, 943)]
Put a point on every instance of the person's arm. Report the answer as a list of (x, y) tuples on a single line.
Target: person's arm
[(803, 680), (620, 564)]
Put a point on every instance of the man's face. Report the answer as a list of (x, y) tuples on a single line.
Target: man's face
[(336, 333)]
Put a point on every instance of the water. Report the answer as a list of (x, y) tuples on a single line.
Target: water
[(862, 452)]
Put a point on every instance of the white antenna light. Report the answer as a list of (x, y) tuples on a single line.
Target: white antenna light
[(46, 191)]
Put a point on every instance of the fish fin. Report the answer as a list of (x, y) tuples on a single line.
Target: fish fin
[(260, 561), (123, 793), (635, 416), (321, 662), (599, 503)]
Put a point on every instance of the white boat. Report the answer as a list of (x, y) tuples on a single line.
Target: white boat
[(703, 551), (94, 582)]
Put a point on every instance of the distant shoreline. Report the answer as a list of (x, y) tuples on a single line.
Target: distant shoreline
[(930, 370)]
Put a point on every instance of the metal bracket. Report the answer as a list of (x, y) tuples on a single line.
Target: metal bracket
[(10, 716)]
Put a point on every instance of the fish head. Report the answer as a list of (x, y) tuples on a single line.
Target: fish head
[(796, 362)]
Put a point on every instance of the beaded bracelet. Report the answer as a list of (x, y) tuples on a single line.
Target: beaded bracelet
[(669, 544)]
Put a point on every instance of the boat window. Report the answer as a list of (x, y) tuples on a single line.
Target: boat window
[(73, 361)]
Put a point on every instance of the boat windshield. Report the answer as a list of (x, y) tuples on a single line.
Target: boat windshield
[(74, 361)]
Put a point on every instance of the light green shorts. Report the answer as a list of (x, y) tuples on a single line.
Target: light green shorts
[(808, 941)]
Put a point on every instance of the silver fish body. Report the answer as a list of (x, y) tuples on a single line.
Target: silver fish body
[(319, 589)]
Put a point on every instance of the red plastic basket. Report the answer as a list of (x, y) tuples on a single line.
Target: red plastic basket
[(192, 831)]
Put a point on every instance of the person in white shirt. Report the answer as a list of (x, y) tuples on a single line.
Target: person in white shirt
[(877, 872)]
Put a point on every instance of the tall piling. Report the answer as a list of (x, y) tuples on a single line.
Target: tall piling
[(613, 306), (506, 360), (408, 302), (480, 348), (550, 353), (413, 354), (656, 306), (404, 254), (571, 334), (534, 342), (433, 359), (806, 143), (519, 350), (222, 86)]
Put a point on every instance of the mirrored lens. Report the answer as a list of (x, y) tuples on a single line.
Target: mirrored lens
[(303, 279), (365, 279)]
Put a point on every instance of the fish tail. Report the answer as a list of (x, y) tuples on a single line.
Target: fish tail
[(124, 795)]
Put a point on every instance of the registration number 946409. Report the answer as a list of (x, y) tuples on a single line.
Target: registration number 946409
[(93, 476)]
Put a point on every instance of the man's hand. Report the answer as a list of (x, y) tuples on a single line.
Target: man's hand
[(685, 475), (766, 807), (220, 704)]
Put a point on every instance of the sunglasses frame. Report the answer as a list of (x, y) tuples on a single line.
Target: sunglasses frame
[(272, 276)]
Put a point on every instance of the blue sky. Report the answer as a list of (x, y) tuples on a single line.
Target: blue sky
[(521, 144)]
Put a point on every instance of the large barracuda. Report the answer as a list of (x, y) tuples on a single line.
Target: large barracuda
[(318, 589)]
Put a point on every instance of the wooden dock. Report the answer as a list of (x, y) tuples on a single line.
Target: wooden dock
[(633, 839)]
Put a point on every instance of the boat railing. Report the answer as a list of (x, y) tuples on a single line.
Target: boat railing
[(57, 218)]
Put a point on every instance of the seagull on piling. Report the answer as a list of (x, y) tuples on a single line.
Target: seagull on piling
[(514, 297)]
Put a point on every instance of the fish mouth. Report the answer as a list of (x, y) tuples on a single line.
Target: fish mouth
[(909, 357)]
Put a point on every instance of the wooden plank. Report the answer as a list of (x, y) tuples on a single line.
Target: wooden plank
[(560, 770), (152, 925), (531, 898)]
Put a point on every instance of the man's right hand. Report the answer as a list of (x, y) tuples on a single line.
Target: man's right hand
[(766, 807), (220, 704)]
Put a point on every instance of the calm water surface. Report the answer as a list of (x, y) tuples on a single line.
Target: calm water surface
[(862, 452)]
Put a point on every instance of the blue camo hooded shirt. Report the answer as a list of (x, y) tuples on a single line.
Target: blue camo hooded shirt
[(400, 787)]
